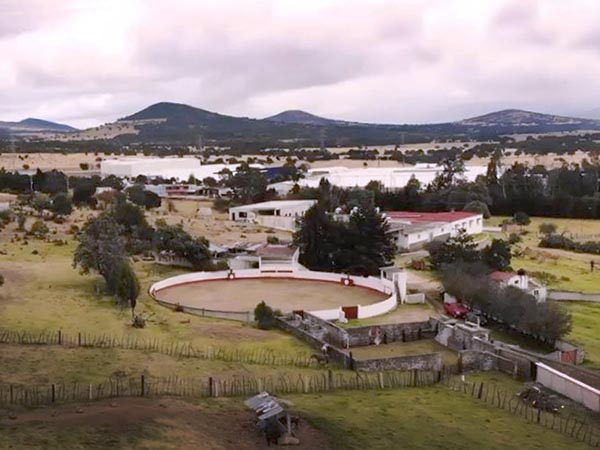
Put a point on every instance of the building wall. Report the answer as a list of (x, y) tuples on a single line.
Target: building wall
[(569, 387)]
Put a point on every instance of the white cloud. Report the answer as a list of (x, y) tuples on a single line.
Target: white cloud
[(90, 61)]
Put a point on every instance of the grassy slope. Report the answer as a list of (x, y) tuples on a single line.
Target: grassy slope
[(44, 292), (427, 418)]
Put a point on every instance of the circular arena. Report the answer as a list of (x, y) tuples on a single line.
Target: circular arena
[(235, 294)]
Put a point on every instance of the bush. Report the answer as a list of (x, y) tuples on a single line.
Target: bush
[(264, 316), (84, 166), (548, 228), (272, 240), (513, 238), (39, 229), (479, 207)]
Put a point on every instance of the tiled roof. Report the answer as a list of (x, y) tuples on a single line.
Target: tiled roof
[(418, 216)]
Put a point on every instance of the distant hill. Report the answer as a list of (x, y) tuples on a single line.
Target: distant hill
[(526, 119), (180, 124), (31, 125), (298, 116)]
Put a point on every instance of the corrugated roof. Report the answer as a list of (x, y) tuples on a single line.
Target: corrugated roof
[(418, 216)]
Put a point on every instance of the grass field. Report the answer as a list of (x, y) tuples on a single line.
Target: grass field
[(426, 418), (414, 418), (586, 327), (405, 349), (44, 292)]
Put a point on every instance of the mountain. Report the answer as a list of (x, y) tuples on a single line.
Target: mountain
[(180, 124), (526, 119), (31, 125), (298, 116)]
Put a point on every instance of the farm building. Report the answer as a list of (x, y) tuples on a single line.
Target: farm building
[(280, 214), (178, 168), (389, 177), (521, 281), (412, 230)]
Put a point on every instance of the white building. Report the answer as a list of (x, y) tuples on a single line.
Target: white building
[(389, 177), (178, 168), (412, 230), (521, 280), (279, 214)]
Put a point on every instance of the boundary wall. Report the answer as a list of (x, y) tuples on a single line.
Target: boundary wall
[(377, 284), (568, 386)]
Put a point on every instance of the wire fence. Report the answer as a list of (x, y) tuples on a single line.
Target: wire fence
[(177, 349), (580, 429), (238, 386)]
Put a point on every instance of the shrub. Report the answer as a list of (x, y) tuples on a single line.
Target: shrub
[(84, 166), (479, 207), (264, 316), (272, 240), (39, 229), (548, 228), (513, 238)]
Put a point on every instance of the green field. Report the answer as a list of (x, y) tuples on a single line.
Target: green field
[(427, 418)]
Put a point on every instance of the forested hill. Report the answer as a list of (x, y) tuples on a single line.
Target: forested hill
[(180, 124)]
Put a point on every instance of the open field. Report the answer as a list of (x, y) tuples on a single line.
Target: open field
[(44, 292), (425, 418), (586, 327), (168, 424), (285, 295), (414, 418)]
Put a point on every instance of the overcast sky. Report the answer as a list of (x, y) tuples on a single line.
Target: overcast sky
[(86, 62)]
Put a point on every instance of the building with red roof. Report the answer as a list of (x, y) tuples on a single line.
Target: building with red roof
[(413, 229)]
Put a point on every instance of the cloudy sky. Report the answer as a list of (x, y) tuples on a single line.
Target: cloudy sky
[(86, 62)]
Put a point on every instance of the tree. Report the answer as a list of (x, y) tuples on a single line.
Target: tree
[(39, 229), (101, 249), (459, 248), (248, 184), (83, 192), (61, 205), (548, 228), (264, 316), (452, 171), (127, 285), (478, 207), (497, 255), (521, 218), (314, 239), (179, 243)]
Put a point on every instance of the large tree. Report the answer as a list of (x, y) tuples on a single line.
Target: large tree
[(127, 286), (179, 243), (101, 249), (497, 254), (456, 249), (248, 184)]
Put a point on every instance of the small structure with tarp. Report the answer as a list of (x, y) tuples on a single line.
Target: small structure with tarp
[(273, 420)]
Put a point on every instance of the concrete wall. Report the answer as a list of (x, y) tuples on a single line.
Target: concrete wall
[(473, 360), (568, 386), (378, 284), (399, 332), (573, 296), (429, 361)]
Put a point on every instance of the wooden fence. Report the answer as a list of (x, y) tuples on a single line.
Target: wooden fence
[(143, 386), (576, 428), (177, 349)]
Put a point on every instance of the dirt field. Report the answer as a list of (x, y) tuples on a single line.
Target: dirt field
[(405, 349), (143, 424), (285, 295)]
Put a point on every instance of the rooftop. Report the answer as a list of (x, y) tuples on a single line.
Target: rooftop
[(502, 276), (276, 251), (418, 216), (275, 204)]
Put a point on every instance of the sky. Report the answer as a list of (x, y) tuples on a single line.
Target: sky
[(87, 62)]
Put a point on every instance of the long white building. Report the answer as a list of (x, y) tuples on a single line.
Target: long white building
[(279, 214), (389, 177), (178, 168)]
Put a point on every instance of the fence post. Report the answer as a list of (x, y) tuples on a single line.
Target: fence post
[(59, 337), (210, 387), (12, 394), (329, 379), (143, 386), (79, 339), (53, 392), (90, 392), (381, 383), (414, 377)]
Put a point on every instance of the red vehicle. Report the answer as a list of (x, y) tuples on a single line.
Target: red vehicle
[(456, 310)]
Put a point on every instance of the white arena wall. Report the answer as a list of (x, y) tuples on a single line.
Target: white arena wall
[(375, 309), (568, 386)]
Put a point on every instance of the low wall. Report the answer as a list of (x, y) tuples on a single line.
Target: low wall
[(566, 296), (415, 298), (245, 316), (397, 332), (473, 360), (378, 284), (428, 361), (568, 386)]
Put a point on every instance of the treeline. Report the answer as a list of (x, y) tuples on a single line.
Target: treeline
[(562, 242), (465, 275)]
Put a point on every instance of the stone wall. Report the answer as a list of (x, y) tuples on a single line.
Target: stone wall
[(399, 332), (483, 360), (429, 361)]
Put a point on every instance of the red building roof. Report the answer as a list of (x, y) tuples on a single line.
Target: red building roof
[(417, 216), (276, 251), (502, 276)]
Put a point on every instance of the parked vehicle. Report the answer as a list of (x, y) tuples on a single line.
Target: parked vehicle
[(476, 317), (456, 310)]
